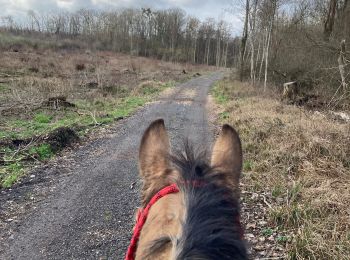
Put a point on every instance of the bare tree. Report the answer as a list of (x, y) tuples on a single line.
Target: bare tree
[(342, 63), (330, 19), (272, 13), (34, 21), (244, 39), (346, 20)]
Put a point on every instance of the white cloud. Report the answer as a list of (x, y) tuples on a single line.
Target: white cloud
[(65, 4)]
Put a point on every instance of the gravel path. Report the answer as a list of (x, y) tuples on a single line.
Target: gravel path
[(83, 208)]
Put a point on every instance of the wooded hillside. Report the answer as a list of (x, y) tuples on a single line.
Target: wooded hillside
[(164, 34)]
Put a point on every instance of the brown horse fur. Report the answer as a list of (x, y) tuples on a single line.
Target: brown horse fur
[(227, 157), (154, 165), (196, 223)]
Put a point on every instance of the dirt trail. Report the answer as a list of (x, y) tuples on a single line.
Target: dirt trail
[(83, 208)]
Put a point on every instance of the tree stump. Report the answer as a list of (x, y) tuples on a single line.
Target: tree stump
[(290, 91), (58, 102)]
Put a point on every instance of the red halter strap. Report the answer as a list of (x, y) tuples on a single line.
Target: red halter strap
[(142, 217)]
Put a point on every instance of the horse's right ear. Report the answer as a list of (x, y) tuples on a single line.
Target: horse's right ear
[(227, 154), (154, 150)]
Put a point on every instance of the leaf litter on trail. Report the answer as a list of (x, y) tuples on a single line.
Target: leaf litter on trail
[(264, 240)]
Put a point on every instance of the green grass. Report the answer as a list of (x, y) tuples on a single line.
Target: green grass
[(3, 88), (153, 88), (10, 174), (13, 169), (219, 94), (42, 152), (278, 191), (282, 239), (293, 215), (224, 115), (149, 90), (169, 84), (247, 165), (267, 232), (42, 118)]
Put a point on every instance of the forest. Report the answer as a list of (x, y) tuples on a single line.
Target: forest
[(304, 41), (165, 34)]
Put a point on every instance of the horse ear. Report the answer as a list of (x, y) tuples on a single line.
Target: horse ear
[(227, 153), (154, 150)]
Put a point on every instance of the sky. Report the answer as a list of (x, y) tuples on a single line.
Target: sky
[(201, 9)]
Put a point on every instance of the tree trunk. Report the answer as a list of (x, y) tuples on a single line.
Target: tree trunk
[(257, 60), (267, 56), (131, 40), (208, 50), (329, 24), (252, 67), (274, 6), (346, 20), (225, 55), (218, 51), (194, 51), (262, 56), (252, 41), (342, 64), (244, 40)]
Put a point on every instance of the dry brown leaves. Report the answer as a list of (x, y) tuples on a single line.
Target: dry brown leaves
[(296, 186)]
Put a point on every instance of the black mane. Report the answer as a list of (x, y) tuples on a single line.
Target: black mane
[(211, 228)]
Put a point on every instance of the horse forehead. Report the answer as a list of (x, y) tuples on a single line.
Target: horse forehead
[(170, 207), (164, 219)]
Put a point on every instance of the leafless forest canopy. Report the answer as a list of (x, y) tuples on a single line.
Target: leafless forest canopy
[(165, 34)]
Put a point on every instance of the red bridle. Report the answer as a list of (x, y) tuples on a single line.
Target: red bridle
[(142, 217), (143, 213)]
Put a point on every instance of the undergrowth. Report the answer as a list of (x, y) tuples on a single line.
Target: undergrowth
[(301, 159)]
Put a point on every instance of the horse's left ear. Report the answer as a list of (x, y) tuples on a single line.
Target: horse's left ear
[(154, 150), (227, 153)]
